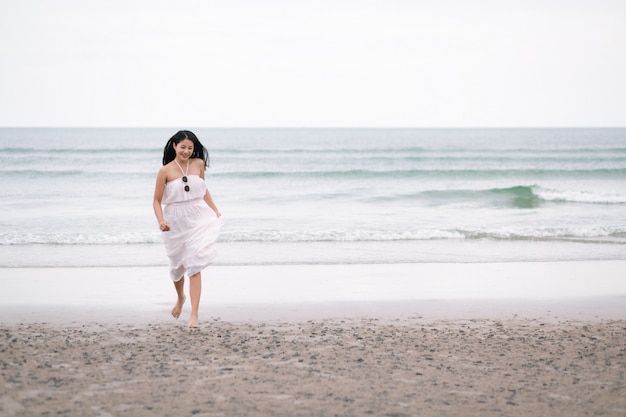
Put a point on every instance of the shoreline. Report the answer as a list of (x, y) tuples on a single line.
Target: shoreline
[(317, 253), (585, 290)]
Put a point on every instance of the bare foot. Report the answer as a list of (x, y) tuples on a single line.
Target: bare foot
[(193, 322), (178, 308)]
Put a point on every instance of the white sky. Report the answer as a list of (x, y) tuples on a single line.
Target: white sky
[(249, 63)]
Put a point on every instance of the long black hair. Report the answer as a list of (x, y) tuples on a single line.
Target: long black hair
[(199, 151)]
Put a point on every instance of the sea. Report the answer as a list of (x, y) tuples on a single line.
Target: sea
[(79, 197)]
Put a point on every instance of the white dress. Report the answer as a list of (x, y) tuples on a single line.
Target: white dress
[(194, 227)]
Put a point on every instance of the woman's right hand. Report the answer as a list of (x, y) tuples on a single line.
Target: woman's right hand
[(164, 226)]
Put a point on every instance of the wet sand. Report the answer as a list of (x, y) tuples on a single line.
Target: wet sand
[(545, 290)]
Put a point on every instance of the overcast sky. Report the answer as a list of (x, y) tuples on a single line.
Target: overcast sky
[(333, 63)]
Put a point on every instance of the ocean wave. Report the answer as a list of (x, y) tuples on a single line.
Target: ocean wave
[(135, 238), (579, 196), (328, 150), (125, 172), (530, 195), (582, 233), (418, 152), (78, 151), (90, 172), (618, 235), (519, 196), (500, 150), (423, 173)]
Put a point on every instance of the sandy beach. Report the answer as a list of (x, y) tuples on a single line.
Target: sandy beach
[(342, 367), (323, 344)]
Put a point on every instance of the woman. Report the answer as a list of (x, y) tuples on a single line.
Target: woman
[(189, 219)]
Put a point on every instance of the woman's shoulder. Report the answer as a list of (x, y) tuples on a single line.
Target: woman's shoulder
[(197, 161), (165, 168), (197, 164), (166, 172)]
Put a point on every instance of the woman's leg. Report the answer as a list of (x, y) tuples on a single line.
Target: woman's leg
[(195, 288), (180, 291)]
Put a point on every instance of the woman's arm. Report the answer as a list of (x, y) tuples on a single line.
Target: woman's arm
[(158, 197), (209, 200), (207, 196)]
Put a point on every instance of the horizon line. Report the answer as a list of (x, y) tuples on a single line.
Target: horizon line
[(312, 127)]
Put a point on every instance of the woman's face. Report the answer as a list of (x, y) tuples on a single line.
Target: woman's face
[(184, 149)]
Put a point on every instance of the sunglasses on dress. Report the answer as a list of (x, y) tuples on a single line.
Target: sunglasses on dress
[(185, 181)]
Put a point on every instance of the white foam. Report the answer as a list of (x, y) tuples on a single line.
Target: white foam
[(579, 196)]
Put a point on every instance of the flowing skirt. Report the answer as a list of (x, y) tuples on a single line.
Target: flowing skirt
[(190, 242)]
